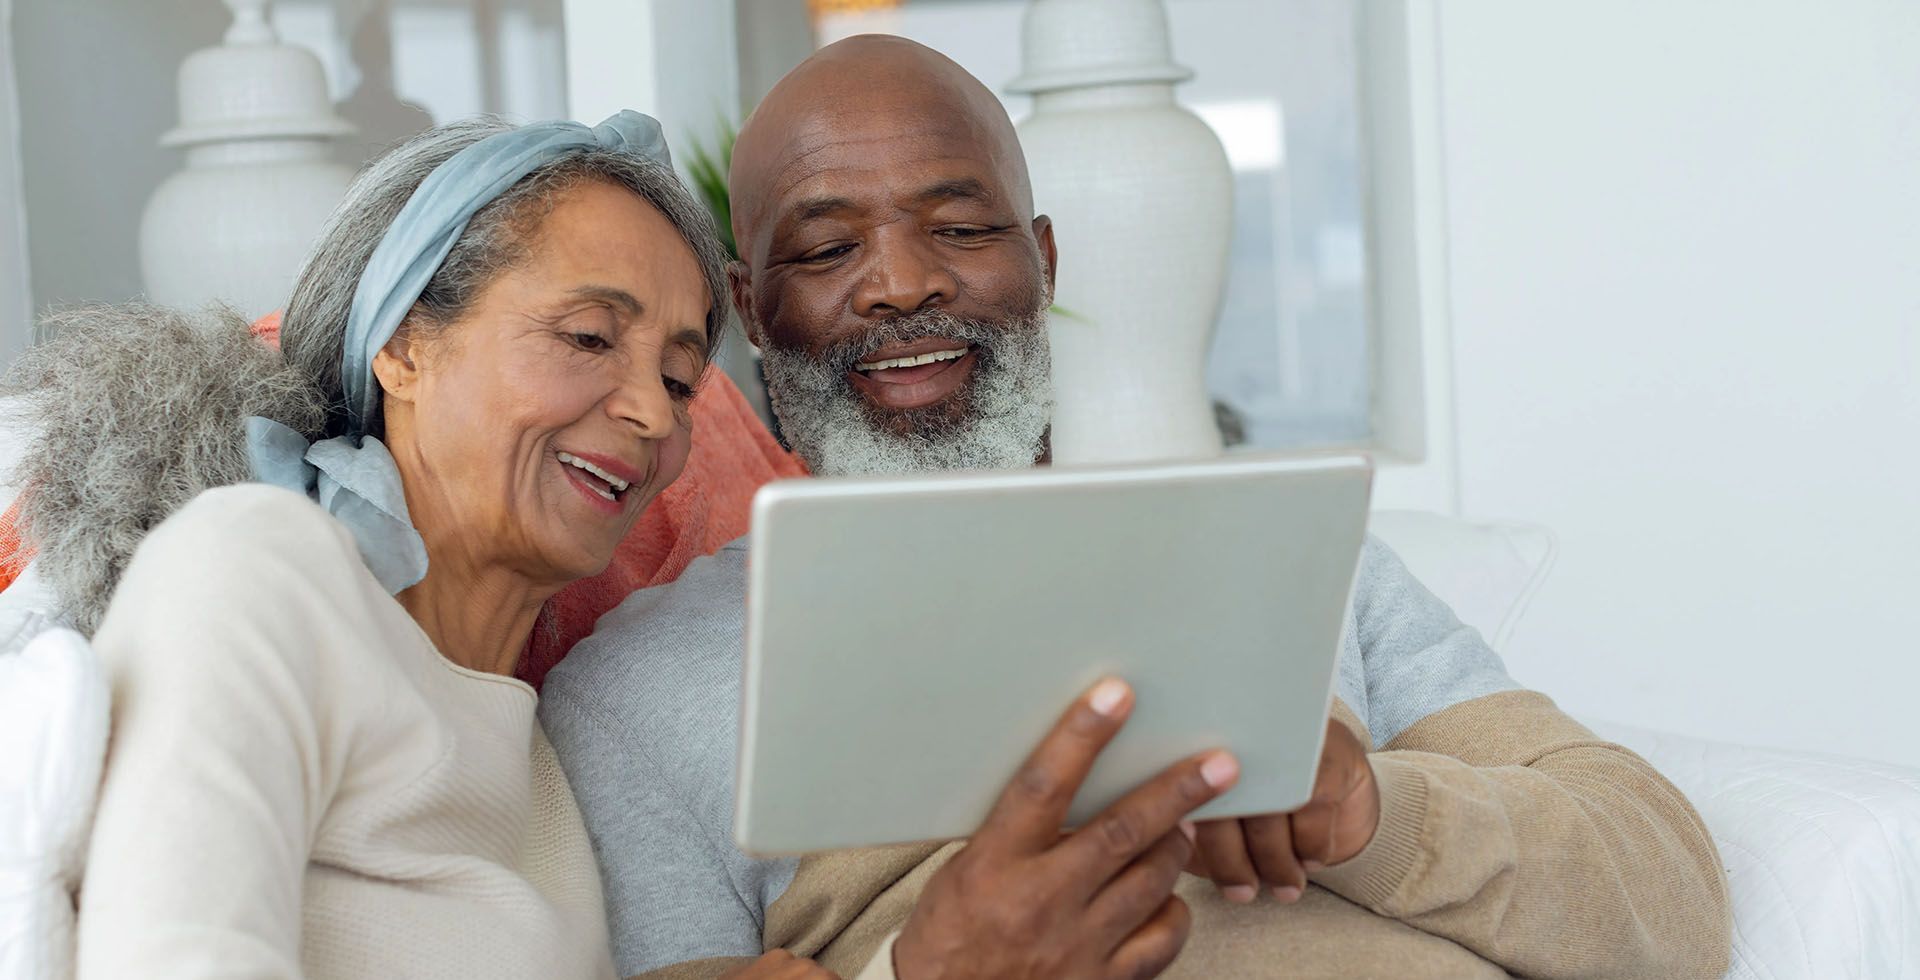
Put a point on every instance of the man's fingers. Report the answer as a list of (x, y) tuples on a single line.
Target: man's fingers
[(1223, 850), (1154, 945), (1034, 804), (1139, 890), (1111, 840), (1270, 844)]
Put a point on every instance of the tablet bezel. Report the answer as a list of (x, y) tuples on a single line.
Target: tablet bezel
[(791, 801)]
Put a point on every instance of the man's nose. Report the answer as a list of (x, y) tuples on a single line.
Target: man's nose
[(904, 273)]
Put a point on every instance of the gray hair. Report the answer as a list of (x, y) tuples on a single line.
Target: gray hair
[(312, 334), (136, 409)]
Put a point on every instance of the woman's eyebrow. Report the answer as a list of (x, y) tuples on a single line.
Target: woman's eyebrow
[(611, 295), (694, 337)]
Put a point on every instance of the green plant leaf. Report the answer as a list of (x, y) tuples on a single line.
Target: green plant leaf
[(708, 167)]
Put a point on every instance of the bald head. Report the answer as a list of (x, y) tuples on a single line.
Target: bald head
[(868, 89), (891, 268)]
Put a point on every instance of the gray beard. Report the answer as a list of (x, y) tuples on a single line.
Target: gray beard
[(1004, 409)]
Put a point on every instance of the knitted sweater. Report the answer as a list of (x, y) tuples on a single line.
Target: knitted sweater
[(298, 784)]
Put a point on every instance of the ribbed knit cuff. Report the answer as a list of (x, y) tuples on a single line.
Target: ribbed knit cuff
[(881, 966), (1372, 876)]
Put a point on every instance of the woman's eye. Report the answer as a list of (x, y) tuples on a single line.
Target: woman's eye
[(591, 341), (679, 389)]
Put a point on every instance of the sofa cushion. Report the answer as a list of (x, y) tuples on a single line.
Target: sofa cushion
[(1487, 571)]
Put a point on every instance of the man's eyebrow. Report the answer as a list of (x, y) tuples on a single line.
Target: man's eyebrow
[(810, 208), (955, 189), (612, 296)]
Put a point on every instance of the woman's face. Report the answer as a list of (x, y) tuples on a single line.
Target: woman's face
[(533, 431)]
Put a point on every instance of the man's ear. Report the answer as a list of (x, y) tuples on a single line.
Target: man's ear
[(397, 367), (740, 287), (1043, 233)]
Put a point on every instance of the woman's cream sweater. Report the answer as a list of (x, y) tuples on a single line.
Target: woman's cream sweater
[(298, 784)]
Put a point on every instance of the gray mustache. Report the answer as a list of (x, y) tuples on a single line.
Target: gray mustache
[(911, 327)]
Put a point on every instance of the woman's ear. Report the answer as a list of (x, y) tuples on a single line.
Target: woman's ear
[(396, 367)]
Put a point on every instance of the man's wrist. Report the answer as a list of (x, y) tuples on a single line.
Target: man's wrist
[(1374, 874)]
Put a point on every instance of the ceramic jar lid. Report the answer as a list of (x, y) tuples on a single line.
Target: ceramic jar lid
[(253, 87), (1079, 43)]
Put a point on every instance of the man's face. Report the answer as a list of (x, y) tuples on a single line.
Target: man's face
[(899, 297)]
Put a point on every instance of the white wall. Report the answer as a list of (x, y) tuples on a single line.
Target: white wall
[(16, 304), (1684, 242), (676, 60), (96, 90)]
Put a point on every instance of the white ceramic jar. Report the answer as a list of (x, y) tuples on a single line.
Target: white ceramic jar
[(1141, 197), (236, 224)]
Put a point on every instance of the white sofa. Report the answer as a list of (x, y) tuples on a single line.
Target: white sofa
[(1822, 854)]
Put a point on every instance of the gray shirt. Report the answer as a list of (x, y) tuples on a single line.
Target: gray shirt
[(645, 712)]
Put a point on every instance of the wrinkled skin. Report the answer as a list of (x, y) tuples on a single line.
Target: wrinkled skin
[(591, 346), (876, 180)]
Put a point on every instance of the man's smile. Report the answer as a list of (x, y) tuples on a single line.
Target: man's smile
[(913, 375)]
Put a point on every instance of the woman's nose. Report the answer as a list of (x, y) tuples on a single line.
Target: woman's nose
[(645, 403)]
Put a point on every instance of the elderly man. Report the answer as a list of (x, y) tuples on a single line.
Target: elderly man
[(896, 278)]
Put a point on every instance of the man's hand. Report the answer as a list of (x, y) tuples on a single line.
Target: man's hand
[(1024, 900), (781, 965), (1279, 849)]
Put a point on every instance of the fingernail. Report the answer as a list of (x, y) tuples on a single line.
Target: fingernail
[(1188, 831), (1106, 697), (1311, 865), (1287, 895), (1238, 894), (1219, 770)]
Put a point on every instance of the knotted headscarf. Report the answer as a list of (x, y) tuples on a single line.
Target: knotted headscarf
[(353, 476)]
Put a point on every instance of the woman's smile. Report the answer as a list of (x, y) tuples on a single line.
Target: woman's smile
[(607, 484)]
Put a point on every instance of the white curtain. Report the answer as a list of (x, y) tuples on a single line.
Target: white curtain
[(16, 307)]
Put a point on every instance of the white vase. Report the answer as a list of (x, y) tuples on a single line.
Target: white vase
[(236, 224), (1141, 198)]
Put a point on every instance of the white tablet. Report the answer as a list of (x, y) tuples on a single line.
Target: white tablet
[(910, 639)]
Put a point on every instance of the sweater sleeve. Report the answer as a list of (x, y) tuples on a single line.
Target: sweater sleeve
[(221, 755), (672, 898), (1508, 828), (880, 967)]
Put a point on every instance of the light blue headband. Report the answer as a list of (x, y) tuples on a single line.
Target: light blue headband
[(424, 232), (353, 476)]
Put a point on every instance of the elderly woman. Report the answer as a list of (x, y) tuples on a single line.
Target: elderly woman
[(321, 764)]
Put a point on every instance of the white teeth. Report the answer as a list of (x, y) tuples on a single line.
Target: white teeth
[(615, 482), (900, 362)]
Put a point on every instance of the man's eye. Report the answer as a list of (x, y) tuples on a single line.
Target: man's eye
[(827, 254), (591, 341), (968, 232)]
